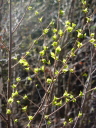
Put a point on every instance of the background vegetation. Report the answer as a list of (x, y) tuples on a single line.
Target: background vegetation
[(48, 63)]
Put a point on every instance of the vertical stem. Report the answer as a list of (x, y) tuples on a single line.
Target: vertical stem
[(9, 62), (1, 87), (58, 16), (1, 84)]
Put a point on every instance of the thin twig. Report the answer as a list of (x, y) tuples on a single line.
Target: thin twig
[(3, 117), (21, 18)]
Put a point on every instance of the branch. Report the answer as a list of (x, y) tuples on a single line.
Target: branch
[(4, 46), (3, 117), (21, 19)]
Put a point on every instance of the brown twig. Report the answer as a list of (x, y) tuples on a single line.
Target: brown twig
[(3, 117)]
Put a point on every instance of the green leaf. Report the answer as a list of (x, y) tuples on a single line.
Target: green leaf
[(69, 29), (73, 100), (14, 86), (49, 80), (15, 94), (80, 35), (52, 22), (55, 98), (85, 74), (85, 10), (58, 49), (45, 31), (60, 32), (65, 70), (45, 48), (42, 68), (67, 100), (48, 122), (27, 69), (64, 60), (71, 70), (54, 37), (70, 120), (8, 111), (40, 19), (88, 19), (54, 43), (10, 100), (18, 79), (81, 94), (59, 103), (73, 25), (16, 120), (30, 8), (42, 53), (64, 123), (24, 108), (80, 114), (28, 125), (56, 72), (92, 40), (46, 116), (30, 118), (71, 96), (36, 70), (54, 30), (24, 62), (83, 2), (79, 44), (44, 61), (25, 97), (18, 101), (61, 12), (29, 78), (36, 13), (53, 55), (67, 23), (27, 53), (66, 94), (92, 34)]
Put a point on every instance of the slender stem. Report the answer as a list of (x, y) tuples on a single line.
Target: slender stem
[(9, 62), (3, 117)]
